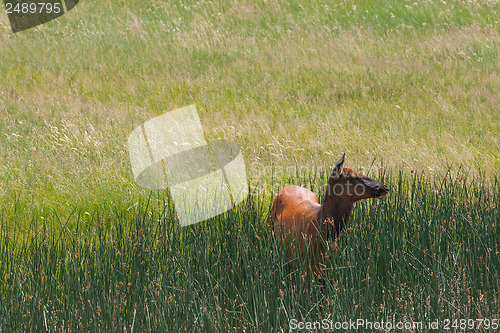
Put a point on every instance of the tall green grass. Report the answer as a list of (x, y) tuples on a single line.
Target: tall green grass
[(428, 251), (293, 83)]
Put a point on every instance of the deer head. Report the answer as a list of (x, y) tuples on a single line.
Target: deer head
[(352, 186)]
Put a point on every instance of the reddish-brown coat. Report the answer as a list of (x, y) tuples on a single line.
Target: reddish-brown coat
[(297, 213)]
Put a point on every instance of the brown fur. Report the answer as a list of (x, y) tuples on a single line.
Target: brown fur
[(296, 212)]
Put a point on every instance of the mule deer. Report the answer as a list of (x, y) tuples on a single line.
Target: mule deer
[(296, 212)]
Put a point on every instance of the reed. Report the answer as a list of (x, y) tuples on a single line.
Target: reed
[(429, 251)]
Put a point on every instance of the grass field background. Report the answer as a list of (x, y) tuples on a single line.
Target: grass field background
[(408, 86), (413, 84)]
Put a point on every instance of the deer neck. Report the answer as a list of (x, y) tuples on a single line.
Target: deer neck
[(335, 213)]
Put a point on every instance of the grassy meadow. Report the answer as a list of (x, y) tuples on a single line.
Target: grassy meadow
[(408, 89)]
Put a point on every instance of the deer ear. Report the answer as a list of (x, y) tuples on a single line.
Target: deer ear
[(338, 168)]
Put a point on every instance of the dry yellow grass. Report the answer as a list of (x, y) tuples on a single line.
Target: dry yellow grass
[(291, 89)]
